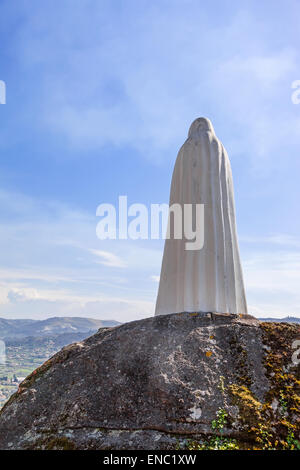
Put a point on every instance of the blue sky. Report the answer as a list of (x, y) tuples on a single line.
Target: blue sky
[(100, 95)]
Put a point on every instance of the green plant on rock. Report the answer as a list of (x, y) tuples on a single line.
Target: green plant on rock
[(293, 444), (283, 402), (263, 437), (217, 441), (220, 420)]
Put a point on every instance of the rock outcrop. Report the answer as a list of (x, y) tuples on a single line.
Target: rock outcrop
[(159, 383)]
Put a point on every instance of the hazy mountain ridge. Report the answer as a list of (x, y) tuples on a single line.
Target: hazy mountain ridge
[(281, 320), (19, 328), (13, 329), (57, 341)]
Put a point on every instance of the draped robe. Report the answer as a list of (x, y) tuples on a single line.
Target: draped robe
[(209, 279)]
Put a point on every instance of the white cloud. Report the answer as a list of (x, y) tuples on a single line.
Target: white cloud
[(62, 271), (68, 304), (141, 82), (109, 259), (276, 239), (3, 294), (265, 70), (22, 295), (63, 278), (272, 280)]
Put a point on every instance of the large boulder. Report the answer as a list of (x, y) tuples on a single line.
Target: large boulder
[(159, 383)]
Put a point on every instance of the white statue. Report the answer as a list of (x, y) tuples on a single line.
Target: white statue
[(208, 279)]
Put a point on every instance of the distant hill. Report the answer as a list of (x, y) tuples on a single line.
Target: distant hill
[(13, 329), (52, 342), (18, 329), (282, 320)]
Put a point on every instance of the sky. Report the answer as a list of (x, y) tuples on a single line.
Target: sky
[(99, 98)]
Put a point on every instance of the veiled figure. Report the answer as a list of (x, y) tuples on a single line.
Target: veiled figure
[(209, 279)]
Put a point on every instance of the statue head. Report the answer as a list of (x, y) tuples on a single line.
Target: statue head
[(200, 125)]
